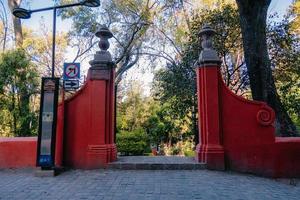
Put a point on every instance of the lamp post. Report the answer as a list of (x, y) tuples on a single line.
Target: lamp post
[(26, 14), (49, 94)]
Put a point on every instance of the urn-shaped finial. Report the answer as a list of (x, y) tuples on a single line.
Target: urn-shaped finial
[(102, 58), (104, 34), (208, 54), (206, 33)]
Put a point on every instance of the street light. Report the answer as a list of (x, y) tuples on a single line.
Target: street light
[(26, 14), (49, 93)]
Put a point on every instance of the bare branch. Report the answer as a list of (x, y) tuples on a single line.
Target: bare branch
[(127, 65), (83, 52), (171, 41)]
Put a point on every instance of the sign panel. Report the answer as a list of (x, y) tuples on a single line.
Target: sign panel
[(71, 84), (47, 122), (71, 71)]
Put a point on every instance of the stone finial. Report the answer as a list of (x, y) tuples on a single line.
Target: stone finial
[(208, 55), (104, 34), (102, 58)]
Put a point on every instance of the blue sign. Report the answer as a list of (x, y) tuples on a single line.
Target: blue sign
[(71, 71), (71, 85), (45, 160)]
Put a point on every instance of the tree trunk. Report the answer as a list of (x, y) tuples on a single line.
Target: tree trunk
[(195, 128), (16, 22), (253, 16), (24, 103), (24, 110), (13, 110)]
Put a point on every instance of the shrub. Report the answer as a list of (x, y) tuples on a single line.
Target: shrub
[(189, 153), (175, 150), (181, 148), (132, 143), (188, 148)]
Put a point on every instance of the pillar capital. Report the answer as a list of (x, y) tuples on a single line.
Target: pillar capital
[(102, 59), (102, 66), (208, 55)]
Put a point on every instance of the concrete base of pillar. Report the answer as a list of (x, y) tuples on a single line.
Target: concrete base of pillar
[(211, 155), (45, 173), (98, 156)]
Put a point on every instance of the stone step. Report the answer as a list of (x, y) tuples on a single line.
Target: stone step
[(156, 163), (148, 166)]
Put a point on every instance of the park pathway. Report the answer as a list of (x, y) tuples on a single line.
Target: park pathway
[(143, 184)]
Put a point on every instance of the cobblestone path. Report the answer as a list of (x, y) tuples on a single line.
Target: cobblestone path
[(143, 184)]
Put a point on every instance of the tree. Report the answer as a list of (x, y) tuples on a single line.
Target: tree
[(16, 22), (17, 78), (3, 24), (131, 109), (253, 16), (175, 86), (283, 43), (140, 28), (39, 49), (176, 83), (121, 17), (163, 126), (295, 10), (137, 113)]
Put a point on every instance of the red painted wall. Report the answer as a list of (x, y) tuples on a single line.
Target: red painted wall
[(59, 135), (18, 152), (242, 129), (89, 123), (249, 138), (85, 129)]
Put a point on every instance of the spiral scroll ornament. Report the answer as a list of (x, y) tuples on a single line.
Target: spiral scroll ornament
[(265, 116)]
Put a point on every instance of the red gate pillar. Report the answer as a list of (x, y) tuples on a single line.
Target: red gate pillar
[(101, 76), (89, 114), (210, 149)]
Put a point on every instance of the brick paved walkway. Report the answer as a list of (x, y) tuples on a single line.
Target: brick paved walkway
[(143, 184)]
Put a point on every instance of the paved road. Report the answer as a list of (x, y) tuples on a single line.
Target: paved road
[(154, 185)]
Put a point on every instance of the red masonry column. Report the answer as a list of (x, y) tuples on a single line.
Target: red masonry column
[(89, 117), (101, 148), (210, 149)]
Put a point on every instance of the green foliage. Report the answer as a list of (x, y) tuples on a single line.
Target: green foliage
[(285, 59), (37, 48), (162, 126), (295, 22), (136, 112), (132, 109), (189, 153), (133, 143), (175, 85), (18, 83), (186, 148), (175, 150)]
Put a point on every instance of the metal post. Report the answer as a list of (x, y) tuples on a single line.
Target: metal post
[(53, 42)]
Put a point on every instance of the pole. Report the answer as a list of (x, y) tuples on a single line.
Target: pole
[(5, 35), (53, 42), (56, 7)]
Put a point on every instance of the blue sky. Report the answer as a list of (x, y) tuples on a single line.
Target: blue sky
[(279, 6), (34, 21)]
